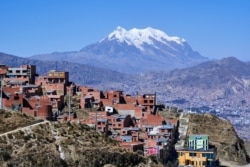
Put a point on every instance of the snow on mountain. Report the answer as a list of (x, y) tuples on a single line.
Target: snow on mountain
[(138, 37), (134, 51)]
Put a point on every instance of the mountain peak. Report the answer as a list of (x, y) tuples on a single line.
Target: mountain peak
[(119, 28), (139, 37)]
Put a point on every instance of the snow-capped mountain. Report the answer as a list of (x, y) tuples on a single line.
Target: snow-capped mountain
[(139, 37), (133, 51)]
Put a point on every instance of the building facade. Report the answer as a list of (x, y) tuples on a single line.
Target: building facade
[(198, 153)]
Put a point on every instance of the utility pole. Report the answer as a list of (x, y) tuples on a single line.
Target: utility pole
[(1, 104), (69, 102), (95, 120)]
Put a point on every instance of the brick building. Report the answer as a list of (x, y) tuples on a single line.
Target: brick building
[(25, 74), (90, 97), (148, 100), (12, 98), (38, 106), (54, 81)]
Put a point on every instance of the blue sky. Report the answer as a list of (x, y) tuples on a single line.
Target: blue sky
[(215, 28)]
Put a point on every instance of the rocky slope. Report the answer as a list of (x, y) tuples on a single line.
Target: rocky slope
[(61, 144), (221, 135)]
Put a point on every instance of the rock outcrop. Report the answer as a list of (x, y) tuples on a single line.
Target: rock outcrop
[(221, 135)]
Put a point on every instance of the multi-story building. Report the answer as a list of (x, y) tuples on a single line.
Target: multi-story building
[(12, 98), (54, 81), (90, 97), (25, 74), (37, 106), (148, 100), (197, 154), (112, 97)]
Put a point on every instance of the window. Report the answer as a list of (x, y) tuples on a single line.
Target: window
[(145, 101), (192, 154), (16, 97), (18, 71), (151, 101)]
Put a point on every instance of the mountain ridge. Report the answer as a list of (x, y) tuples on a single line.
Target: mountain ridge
[(79, 73), (133, 51)]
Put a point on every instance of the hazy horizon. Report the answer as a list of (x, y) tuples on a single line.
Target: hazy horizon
[(215, 29)]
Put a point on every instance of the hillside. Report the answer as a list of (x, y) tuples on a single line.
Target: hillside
[(60, 144), (79, 73), (221, 135), (10, 121), (220, 86)]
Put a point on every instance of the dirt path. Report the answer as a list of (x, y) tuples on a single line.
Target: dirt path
[(23, 128)]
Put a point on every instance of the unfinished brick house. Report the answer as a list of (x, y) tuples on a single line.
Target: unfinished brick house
[(12, 98), (113, 97), (54, 81), (148, 100), (38, 106), (90, 98), (145, 102), (25, 74), (132, 146), (25, 99)]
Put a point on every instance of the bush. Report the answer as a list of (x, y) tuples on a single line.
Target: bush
[(21, 132), (27, 137), (5, 156), (10, 136)]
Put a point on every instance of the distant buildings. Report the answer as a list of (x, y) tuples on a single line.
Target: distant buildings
[(131, 120)]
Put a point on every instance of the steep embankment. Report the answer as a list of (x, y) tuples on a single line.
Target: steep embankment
[(222, 135), (61, 144)]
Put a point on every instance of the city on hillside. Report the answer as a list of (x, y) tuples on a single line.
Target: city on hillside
[(137, 123)]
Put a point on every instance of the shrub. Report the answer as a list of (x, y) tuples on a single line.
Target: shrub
[(10, 136), (21, 132), (6, 156), (27, 137)]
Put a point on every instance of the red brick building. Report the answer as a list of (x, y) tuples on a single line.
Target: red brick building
[(90, 97), (38, 107), (148, 100), (54, 81), (12, 98)]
